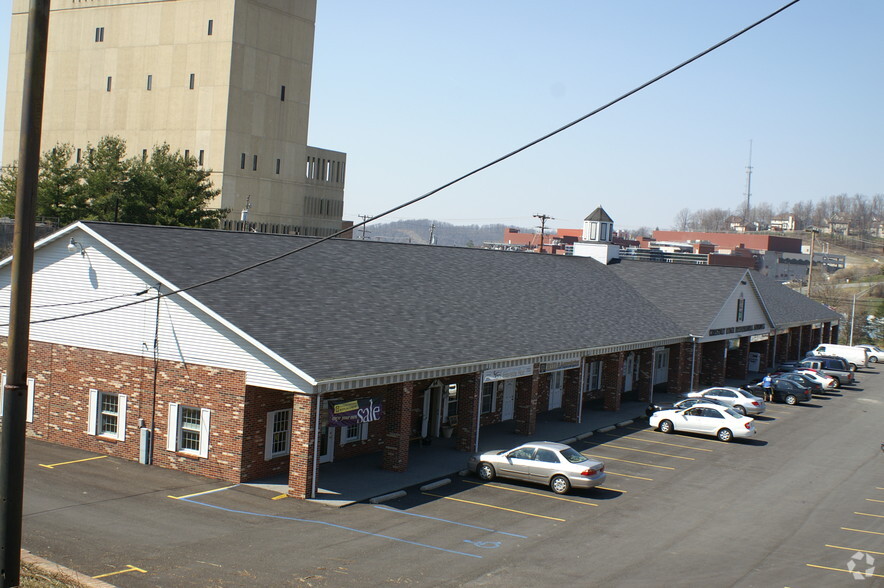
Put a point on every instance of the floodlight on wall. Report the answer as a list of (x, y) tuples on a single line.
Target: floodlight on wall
[(75, 246)]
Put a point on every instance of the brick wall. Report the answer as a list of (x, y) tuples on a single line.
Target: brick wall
[(258, 402), (64, 375), (527, 395), (713, 363), (571, 396), (737, 360)]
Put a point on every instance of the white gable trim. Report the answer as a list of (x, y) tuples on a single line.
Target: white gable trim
[(183, 295)]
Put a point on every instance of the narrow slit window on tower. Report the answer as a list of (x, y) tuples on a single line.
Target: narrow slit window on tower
[(149, 82), (242, 161), (79, 155), (99, 34), (144, 155), (254, 163), (282, 94), (187, 154), (202, 156), (109, 83), (278, 163), (211, 26), (192, 81)]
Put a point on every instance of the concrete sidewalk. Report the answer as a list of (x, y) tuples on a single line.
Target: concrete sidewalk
[(361, 478)]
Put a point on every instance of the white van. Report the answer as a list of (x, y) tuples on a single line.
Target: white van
[(857, 357)]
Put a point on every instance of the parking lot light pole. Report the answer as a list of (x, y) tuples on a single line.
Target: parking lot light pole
[(853, 311)]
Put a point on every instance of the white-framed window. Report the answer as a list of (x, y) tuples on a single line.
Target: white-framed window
[(188, 430), (30, 410), (594, 378), (353, 433), (279, 433), (489, 397), (107, 414), (451, 401)]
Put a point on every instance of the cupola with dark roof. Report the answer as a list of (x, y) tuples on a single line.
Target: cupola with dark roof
[(598, 235)]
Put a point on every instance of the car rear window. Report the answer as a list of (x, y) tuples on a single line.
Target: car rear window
[(573, 455)]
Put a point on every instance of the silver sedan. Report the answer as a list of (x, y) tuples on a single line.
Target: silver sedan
[(737, 398), (556, 465)]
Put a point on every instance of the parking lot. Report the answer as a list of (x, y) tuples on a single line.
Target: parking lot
[(800, 504)]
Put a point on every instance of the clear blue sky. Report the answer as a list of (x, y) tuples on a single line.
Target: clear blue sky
[(418, 93)]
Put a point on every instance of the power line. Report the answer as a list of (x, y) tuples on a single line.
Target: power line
[(438, 189)]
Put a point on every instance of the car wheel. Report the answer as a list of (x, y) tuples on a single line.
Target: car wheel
[(560, 484), (725, 435), (666, 427), (485, 471), (853, 367), (740, 410), (837, 382), (791, 399), (873, 359)]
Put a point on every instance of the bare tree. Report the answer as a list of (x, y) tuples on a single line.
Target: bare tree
[(682, 219)]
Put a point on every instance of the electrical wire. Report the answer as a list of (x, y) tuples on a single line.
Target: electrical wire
[(445, 185), (82, 301)]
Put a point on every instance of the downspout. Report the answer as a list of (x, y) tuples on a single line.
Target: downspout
[(580, 385), (316, 434)]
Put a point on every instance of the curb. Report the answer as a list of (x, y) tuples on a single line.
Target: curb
[(51, 567)]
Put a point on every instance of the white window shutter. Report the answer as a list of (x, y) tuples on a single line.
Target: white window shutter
[(205, 415), (172, 434), (93, 412), (268, 436), (121, 416), (31, 385), (2, 391)]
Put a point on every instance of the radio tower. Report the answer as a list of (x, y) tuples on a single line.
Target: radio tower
[(748, 186)]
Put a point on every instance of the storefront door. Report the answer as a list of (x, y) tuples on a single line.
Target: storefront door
[(509, 400)]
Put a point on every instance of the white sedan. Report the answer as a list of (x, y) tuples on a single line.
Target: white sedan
[(706, 419), (827, 382), (740, 400)]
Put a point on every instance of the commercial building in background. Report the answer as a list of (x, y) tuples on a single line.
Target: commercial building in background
[(226, 82)]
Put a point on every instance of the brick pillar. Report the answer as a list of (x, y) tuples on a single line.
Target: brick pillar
[(738, 361), (571, 396), (713, 363), (764, 350), (836, 330), (302, 464), (527, 393), (397, 414), (827, 333), (612, 380), (680, 357), (795, 343), (645, 359), (469, 395)]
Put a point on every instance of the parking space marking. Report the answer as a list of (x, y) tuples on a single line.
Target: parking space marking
[(612, 489), (201, 493), (665, 443), (650, 465), (656, 432), (521, 491), (633, 477), (131, 569), (855, 549), (54, 465), (866, 574), (865, 514), (414, 514), (327, 524), (645, 451), (530, 514), (873, 500), (861, 531)]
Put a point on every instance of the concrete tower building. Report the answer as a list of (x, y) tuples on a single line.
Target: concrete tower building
[(224, 81)]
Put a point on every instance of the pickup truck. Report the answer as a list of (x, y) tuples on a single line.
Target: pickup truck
[(831, 366)]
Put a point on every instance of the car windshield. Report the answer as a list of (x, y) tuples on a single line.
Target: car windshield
[(573, 455)]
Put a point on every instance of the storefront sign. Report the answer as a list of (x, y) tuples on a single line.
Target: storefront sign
[(355, 412), (555, 366), (507, 373), (757, 338)]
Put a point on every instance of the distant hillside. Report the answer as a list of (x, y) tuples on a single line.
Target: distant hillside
[(418, 231)]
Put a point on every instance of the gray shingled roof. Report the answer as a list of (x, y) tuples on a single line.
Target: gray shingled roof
[(788, 307), (599, 214), (691, 295), (347, 308)]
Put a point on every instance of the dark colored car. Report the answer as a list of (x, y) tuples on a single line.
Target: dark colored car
[(785, 390), (799, 379)]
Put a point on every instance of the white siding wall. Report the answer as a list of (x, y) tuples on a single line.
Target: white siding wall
[(68, 283), (754, 312)]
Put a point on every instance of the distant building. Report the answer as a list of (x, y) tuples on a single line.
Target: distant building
[(226, 83), (785, 222)]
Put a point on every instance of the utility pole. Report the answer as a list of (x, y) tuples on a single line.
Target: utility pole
[(433, 233), (748, 185), (365, 218), (15, 397), (813, 233), (543, 218)]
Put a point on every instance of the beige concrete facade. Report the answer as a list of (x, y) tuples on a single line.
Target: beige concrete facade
[(225, 81)]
